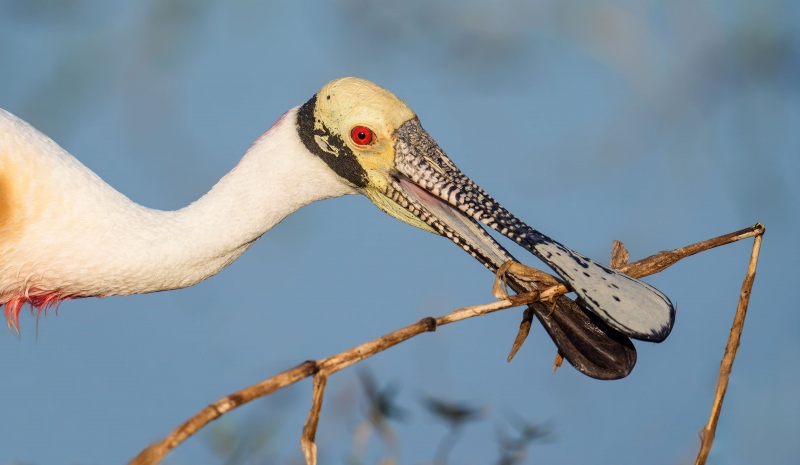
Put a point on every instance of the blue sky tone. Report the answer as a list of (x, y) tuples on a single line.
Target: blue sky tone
[(656, 123)]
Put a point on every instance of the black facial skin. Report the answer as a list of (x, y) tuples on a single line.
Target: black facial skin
[(345, 163)]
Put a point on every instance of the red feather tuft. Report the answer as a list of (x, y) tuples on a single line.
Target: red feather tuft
[(39, 301)]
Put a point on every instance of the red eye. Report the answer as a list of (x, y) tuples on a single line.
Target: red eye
[(361, 135)]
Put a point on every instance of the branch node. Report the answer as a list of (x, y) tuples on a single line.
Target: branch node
[(311, 366), (429, 323)]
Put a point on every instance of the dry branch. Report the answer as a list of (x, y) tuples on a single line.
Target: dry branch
[(323, 368), (707, 434), (310, 426)]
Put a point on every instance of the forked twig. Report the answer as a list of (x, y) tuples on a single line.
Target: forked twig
[(323, 368), (707, 433)]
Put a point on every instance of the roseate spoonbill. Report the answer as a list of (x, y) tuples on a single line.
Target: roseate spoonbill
[(65, 233)]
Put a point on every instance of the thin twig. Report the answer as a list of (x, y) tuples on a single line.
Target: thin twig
[(522, 334), (310, 426), (662, 260), (156, 452), (707, 434), (619, 255)]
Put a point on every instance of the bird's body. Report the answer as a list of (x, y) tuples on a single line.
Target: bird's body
[(65, 233)]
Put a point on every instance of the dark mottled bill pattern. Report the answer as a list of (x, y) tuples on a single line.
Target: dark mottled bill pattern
[(628, 305)]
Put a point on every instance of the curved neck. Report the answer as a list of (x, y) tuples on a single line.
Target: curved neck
[(275, 177), (104, 244)]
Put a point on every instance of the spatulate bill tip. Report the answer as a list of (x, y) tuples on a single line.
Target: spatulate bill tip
[(652, 323), (630, 306)]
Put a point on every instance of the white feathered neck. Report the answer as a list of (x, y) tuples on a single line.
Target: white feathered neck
[(65, 233)]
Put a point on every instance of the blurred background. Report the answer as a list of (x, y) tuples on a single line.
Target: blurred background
[(657, 123)]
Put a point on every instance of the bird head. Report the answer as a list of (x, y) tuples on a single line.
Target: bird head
[(374, 142)]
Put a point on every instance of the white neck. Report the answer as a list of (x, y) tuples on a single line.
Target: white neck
[(98, 242)]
